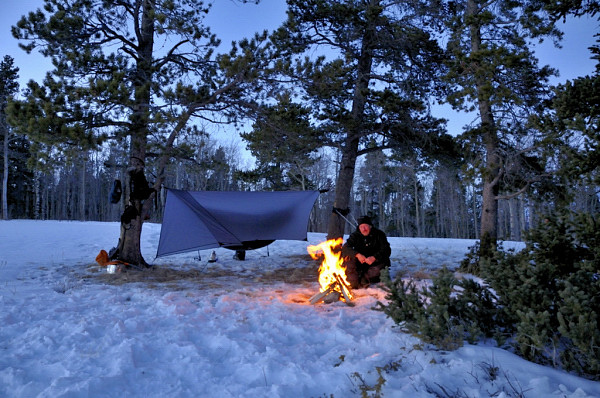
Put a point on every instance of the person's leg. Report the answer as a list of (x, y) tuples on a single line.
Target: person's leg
[(373, 274), (352, 271), (359, 275)]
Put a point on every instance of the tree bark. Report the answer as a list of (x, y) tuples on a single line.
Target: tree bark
[(515, 225), (343, 186), (82, 192), (5, 177), (491, 183), (417, 207), (129, 249), (476, 230), (491, 177), (345, 178)]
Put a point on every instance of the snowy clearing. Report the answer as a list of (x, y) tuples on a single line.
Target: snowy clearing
[(232, 328)]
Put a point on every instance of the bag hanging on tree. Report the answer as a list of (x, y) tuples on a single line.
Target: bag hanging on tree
[(140, 188), (115, 192), (129, 214)]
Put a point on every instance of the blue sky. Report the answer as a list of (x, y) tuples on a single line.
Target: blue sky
[(228, 19), (231, 20)]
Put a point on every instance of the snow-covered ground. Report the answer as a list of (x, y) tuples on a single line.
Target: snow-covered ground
[(189, 328)]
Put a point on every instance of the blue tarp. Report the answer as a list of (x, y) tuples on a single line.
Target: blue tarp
[(198, 220)]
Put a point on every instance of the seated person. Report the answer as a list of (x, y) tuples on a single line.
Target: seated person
[(366, 252)]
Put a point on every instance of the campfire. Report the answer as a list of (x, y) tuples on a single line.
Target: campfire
[(332, 275)]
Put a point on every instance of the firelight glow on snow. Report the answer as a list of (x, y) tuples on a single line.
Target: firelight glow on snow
[(225, 329)]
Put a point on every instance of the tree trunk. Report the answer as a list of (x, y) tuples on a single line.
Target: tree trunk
[(82, 192), (417, 206), (5, 178), (343, 187), (350, 149), (129, 248), (491, 177), (491, 184), (37, 207), (403, 212), (515, 225), (474, 203), (522, 218)]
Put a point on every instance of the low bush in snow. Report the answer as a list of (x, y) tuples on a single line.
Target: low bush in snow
[(544, 300)]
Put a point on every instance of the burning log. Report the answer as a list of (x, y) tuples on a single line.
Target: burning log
[(321, 295), (343, 288), (333, 293), (332, 297), (331, 273)]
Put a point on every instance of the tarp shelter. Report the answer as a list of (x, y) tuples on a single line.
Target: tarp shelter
[(198, 220)]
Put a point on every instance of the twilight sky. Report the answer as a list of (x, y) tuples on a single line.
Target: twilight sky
[(230, 20)]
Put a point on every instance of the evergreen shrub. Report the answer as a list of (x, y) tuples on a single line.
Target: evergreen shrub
[(543, 300), (549, 293), (445, 313)]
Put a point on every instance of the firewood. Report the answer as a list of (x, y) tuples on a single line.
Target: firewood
[(341, 281), (332, 297), (343, 287), (319, 296)]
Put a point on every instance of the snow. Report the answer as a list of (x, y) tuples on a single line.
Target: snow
[(225, 329)]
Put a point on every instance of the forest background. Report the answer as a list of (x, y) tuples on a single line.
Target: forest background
[(409, 190)]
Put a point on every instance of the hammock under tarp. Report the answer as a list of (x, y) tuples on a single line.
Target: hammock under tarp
[(198, 220)]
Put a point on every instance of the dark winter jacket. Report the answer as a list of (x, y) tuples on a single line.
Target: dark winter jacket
[(375, 244)]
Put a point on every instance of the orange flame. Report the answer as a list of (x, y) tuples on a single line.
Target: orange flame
[(332, 263)]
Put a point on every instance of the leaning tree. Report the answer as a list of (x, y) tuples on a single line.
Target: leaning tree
[(369, 88), (132, 73)]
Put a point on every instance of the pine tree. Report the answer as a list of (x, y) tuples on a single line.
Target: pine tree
[(8, 88), (445, 312), (575, 126), (372, 84), (284, 143), (549, 293), (493, 72), (124, 75)]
